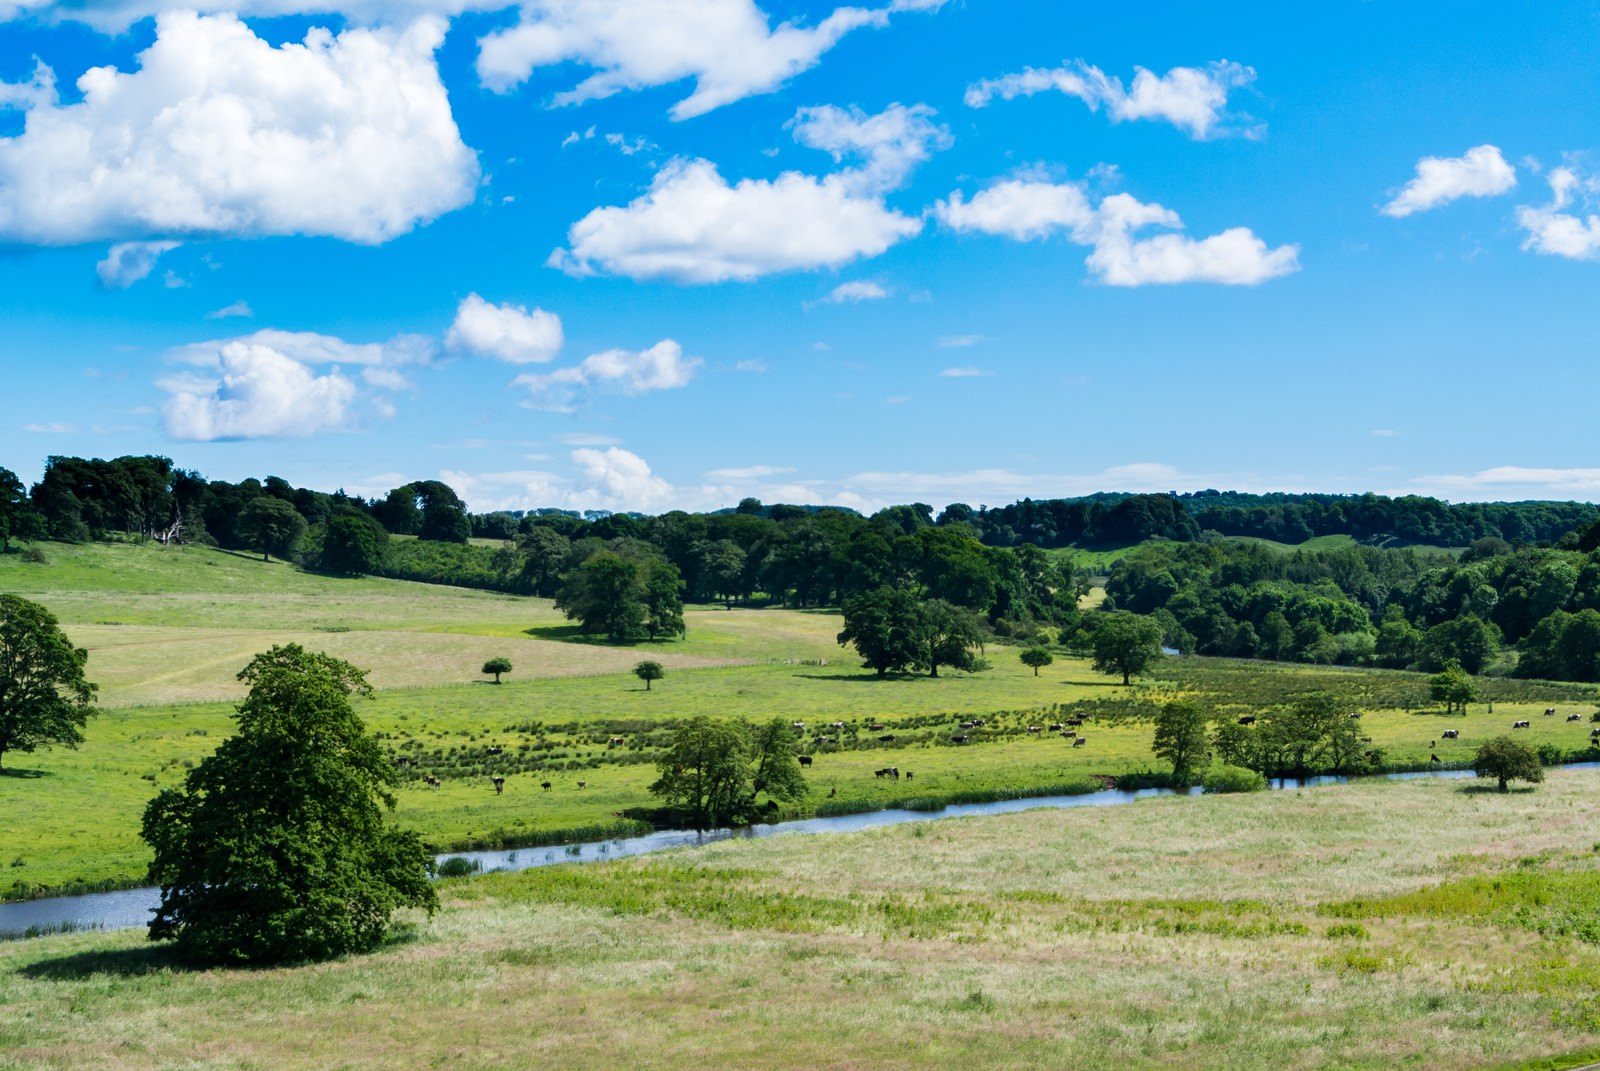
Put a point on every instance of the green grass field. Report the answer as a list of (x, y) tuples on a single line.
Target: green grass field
[(188, 618), (1425, 924)]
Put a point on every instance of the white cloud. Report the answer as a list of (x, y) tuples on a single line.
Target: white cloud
[(255, 392), (116, 15), (728, 47), (1027, 209), (963, 373), (661, 367), (506, 332), (751, 472), (1558, 233), (855, 292), (1481, 172), (751, 365), (619, 480), (1023, 209), (950, 342), (217, 132), (1191, 98), (1234, 257), (128, 262), (1509, 482), (264, 385), (238, 308), (891, 143), (693, 227)]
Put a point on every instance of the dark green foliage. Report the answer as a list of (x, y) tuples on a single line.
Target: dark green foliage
[(271, 526), (648, 671), (624, 593), (1125, 643), (775, 750), (1506, 760), (1453, 687), (459, 866), (44, 698), (1563, 646), (1180, 738), (275, 850), (18, 518), (497, 666), (1313, 733), (544, 552), (444, 523), (1036, 658), (706, 771), (352, 544), (949, 635), (883, 626)]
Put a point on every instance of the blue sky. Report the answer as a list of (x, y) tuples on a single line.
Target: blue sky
[(655, 254)]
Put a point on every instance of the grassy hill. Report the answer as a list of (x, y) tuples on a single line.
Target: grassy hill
[(1416, 924)]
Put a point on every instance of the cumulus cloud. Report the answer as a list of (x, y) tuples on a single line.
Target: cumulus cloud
[(1029, 209), (1559, 233), (728, 47), (1192, 98), (218, 132), (505, 332), (693, 227), (1506, 482), (617, 479), (128, 262), (1481, 172), (265, 385), (661, 367)]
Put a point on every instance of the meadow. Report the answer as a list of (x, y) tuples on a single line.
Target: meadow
[(168, 629), (1427, 924)]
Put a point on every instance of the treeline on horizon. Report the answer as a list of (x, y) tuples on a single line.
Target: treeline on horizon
[(1524, 598)]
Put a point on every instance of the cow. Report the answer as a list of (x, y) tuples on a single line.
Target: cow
[(959, 738), (1594, 734), (876, 727), (832, 792), (1520, 725), (499, 784), (433, 782), (886, 738), (1549, 712), (493, 750), (1355, 714), (1057, 727), (1070, 733), (798, 726), (968, 725), (1036, 728), (1248, 719), (615, 741), (805, 760), (836, 725), (1450, 734), (1080, 741), (908, 775), (545, 785), (583, 784), (1574, 717), (1433, 758)]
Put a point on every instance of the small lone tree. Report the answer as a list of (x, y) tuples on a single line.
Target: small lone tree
[(44, 698), (1453, 687), (497, 666), (1506, 760), (1036, 657), (648, 671), (275, 849)]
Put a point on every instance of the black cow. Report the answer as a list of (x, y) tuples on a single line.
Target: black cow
[(499, 784), (1451, 734), (1248, 719), (805, 760)]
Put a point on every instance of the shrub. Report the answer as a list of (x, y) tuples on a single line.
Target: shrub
[(35, 556), (458, 866), (1225, 778)]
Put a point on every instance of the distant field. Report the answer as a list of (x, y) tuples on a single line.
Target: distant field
[(191, 618), (1368, 927)]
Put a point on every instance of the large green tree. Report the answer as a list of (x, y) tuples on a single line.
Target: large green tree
[(44, 698), (949, 636), (884, 628), (352, 544), (706, 771), (276, 849), (1453, 687), (271, 526), (1125, 643)]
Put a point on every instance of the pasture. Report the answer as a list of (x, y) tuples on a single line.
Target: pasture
[(1425, 924), (168, 628)]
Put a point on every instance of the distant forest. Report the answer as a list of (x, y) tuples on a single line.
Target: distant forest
[(1518, 590)]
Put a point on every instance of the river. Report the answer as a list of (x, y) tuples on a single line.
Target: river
[(133, 907)]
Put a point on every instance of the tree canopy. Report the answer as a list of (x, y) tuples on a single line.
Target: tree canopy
[(1180, 738), (44, 697), (275, 849), (1506, 760), (649, 670), (1125, 643), (497, 665)]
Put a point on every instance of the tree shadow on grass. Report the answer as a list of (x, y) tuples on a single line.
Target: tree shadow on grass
[(12, 771), (570, 634), (1487, 787), (121, 962)]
